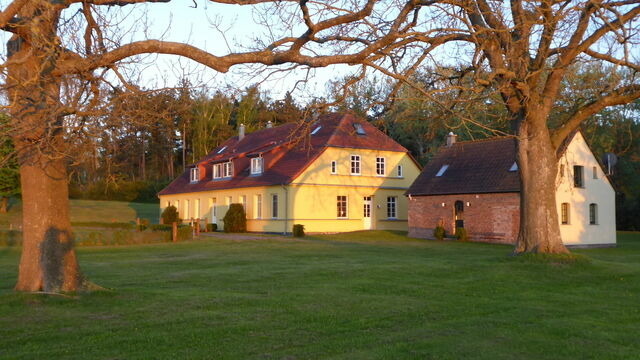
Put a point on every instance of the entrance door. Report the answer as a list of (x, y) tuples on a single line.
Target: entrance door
[(214, 217), (459, 214), (366, 213)]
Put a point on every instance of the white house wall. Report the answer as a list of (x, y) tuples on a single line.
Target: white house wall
[(595, 191)]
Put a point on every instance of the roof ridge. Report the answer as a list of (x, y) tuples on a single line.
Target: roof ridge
[(495, 138)]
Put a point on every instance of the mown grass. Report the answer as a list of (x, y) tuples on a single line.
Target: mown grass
[(369, 295), (90, 211)]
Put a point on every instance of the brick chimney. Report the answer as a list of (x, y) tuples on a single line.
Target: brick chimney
[(241, 132), (451, 139)]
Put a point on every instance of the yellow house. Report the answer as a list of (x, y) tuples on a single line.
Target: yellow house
[(340, 174)]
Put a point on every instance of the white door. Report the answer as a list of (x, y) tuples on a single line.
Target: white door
[(214, 218), (366, 213)]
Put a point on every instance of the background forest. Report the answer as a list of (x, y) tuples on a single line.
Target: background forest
[(139, 143)]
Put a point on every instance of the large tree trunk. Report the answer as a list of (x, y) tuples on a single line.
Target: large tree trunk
[(538, 164), (48, 261)]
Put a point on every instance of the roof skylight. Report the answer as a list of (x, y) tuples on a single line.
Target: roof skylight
[(316, 130), (359, 129), (514, 167), (222, 149), (442, 170)]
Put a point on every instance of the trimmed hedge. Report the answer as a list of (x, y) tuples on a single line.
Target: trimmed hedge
[(235, 220)]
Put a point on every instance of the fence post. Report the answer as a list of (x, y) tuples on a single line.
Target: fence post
[(174, 232)]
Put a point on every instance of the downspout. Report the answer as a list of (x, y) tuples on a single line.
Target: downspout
[(286, 207)]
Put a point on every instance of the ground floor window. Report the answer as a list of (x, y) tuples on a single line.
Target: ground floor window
[(342, 206), (274, 205), (258, 207), (564, 213), (392, 207), (593, 214)]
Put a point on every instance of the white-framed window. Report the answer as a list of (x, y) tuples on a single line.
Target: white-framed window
[(334, 167), (355, 164), (194, 174), (399, 171), (392, 207), (258, 207), (342, 207), (380, 166), (442, 170), (578, 176), (228, 169), (217, 171), (593, 214), (256, 166), (274, 206), (196, 209)]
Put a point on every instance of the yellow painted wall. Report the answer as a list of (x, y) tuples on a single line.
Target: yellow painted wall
[(312, 196)]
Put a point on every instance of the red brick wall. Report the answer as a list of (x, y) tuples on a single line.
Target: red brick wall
[(488, 218)]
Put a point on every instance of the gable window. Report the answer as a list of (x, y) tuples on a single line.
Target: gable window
[(217, 171), (274, 206), (564, 213), (195, 174), (514, 167), (578, 176), (256, 166), (399, 171), (593, 214), (442, 170), (227, 169), (355, 164), (392, 207), (595, 172), (315, 131), (380, 166), (342, 206), (334, 167)]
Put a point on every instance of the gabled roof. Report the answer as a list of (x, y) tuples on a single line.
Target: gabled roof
[(473, 167), (293, 150)]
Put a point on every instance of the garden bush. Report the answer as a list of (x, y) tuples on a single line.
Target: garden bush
[(143, 224), (298, 230), (439, 232), (170, 215), (235, 220)]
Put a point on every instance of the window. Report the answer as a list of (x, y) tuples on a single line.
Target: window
[(442, 170), (315, 131), (258, 207), (359, 129), (228, 169), (392, 207), (593, 214), (186, 209), (221, 150), (578, 176), (514, 167), (256, 165), (195, 174), (196, 209), (217, 171), (380, 166), (334, 167), (228, 200), (243, 201), (274, 205), (399, 171), (355, 164), (595, 172), (342, 206), (564, 213)]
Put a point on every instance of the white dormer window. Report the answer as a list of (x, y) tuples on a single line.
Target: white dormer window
[(442, 170), (217, 171), (315, 131), (514, 167), (221, 150), (195, 174), (256, 166), (227, 169)]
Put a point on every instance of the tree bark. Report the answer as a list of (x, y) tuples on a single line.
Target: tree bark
[(538, 164)]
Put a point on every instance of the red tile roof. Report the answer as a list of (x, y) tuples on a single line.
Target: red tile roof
[(287, 150), (473, 167)]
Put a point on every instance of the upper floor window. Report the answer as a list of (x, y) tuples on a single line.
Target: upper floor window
[(227, 169), (399, 171), (595, 172), (564, 213), (380, 166), (334, 167), (442, 170), (392, 207), (342, 206), (578, 176), (217, 171), (593, 214), (256, 165), (355, 164), (195, 174)]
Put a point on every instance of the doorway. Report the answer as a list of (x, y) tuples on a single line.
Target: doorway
[(459, 214), (366, 213)]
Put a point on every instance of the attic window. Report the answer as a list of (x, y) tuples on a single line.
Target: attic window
[(221, 150), (359, 129), (195, 175), (316, 130), (514, 167), (442, 170)]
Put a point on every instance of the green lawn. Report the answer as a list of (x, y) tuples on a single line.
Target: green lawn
[(94, 211), (352, 296)]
